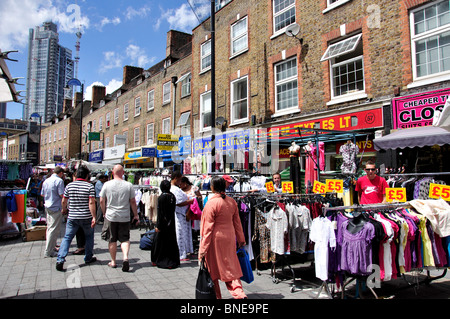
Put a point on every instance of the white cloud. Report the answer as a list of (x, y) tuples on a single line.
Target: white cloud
[(17, 17), (183, 18), (138, 56), (113, 85), (111, 60), (130, 12), (106, 21)]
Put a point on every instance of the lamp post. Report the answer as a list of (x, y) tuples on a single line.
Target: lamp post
[(40, 131)]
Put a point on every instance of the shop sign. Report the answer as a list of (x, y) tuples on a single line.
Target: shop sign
[(114, 152), (167, 142), (183, 148), (132, 155), (223, 142), (343, 122), (287, 187), (438, 191), (334, 186), (96, 156), (319, 188), (269, 187), (149, 152), (418, 109), (368, 148)]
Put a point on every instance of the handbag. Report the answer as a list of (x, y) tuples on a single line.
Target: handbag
[(204, 289), (247, 272)]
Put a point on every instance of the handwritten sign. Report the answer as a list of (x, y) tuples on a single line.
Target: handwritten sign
[(439, 191), (396, 195), (334, 185), (287, 187)]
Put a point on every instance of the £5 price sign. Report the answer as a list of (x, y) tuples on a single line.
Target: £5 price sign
[(319, 188), (396, 195), (335, 185), (287, 187), (269, 187), (439, 191)]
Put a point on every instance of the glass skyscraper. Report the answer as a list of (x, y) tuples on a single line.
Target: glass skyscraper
[(50, 67)]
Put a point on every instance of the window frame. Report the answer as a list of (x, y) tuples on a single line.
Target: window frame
[(201, 113), (285, 81), (116, 116), (126, 111), (163, 124), (439, 30), (239, 37), (151, 101), (164, 100), (136, 129), (137, 106), (152, 125), (281, 12), (205, 56), (233, 102)]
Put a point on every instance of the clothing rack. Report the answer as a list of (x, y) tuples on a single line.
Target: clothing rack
[(416, 174), (382, 206)]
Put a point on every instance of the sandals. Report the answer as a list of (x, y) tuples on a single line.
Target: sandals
[(126, 266), (110, 265)]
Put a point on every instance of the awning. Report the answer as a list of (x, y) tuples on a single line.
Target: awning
[(8, 91), (413, 137)]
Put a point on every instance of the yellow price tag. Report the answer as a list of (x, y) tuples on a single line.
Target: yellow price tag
[(287, 187), (439, 191), (269, 187), (319, 188), (396, 195), (335, 185)]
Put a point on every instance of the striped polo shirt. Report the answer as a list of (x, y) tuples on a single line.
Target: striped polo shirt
[(78, 194)]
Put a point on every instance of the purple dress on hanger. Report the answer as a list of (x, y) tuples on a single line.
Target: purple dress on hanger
[(356, 249)]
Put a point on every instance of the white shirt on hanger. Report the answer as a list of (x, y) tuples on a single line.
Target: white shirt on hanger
[(323, 235)]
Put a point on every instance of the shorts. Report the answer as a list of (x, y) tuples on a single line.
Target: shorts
[(115, 231)]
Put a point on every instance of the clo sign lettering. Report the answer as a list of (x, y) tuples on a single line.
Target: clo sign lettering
[(426, 113)]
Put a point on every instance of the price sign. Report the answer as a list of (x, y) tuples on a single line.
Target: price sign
[(439, 191), (319, 188), (396, 195), (335, 185), (269, 187), (287, 187)]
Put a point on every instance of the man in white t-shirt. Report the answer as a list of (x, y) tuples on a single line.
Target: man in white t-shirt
[(116, 198)]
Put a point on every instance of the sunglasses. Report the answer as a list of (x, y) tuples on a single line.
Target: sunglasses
[(370, 169)]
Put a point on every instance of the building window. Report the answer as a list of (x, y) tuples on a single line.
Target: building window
[(205, 56), (430, 40), (239, 100), (283, 14), (286, 92), (60, 134), (100, 123), (166, 126), (125, 133), (137, 106), (116, 116), (150, 133), (107, 142), (54, 136), (239, 37), (136, 137), (108, 120), (94, 126), (166, 93), (346, 66), (205, 111), (150, 100), (184, 124), (125, 112), (185, 84)]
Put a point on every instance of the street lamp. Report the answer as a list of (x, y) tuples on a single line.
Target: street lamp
[(40, 132)]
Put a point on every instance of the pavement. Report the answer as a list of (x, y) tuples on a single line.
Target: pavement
[(26, 274)]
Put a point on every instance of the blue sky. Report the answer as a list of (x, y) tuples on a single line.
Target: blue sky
[(115, 33)]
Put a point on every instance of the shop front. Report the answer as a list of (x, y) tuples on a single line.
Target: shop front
[(136, 159), (96, 157), (415, 144)]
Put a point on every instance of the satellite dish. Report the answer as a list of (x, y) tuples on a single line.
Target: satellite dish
[(292, 30)]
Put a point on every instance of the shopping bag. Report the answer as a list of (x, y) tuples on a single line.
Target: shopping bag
[(247, 272), (204, 289)]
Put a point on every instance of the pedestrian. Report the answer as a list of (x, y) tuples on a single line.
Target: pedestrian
[(371, 188), (98, 187), (183, 227), (165, 253), (276, 179), (53, 191), (116, 198), (79, 202), (221, 234)]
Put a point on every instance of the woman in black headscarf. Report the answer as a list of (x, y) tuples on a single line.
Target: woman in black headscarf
[(165, 252)]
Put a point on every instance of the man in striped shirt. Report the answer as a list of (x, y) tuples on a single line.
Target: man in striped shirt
[(79, 202)]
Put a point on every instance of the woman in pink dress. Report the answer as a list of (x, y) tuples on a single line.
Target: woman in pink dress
[(221, 234)]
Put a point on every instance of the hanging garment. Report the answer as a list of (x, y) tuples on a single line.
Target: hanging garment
[(262, 233), (322, 234), (349, 151), (299, 227), (277, 223), (294, 173), (310, 172), (321, 160)]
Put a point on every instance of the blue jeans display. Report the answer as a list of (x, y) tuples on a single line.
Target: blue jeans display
[(71, 230)]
